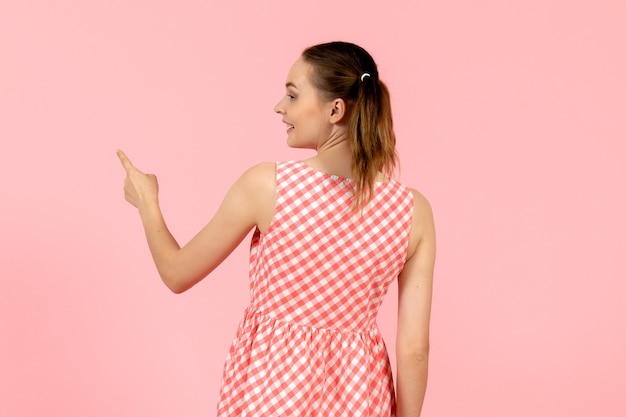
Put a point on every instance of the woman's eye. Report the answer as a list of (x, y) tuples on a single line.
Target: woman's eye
[(291, 97)]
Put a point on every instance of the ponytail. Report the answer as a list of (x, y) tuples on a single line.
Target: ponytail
[(373, 140), (344, 70)]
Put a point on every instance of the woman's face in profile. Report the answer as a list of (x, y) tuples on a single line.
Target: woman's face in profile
[(303, 111)]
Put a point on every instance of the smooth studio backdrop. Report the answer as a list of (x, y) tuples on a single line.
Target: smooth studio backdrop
[(510, 118)]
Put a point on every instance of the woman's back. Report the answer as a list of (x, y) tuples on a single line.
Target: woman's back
[(308, 342), (319, 263)]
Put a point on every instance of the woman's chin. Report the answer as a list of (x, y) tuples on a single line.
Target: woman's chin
[(298, 144), (292, 142)]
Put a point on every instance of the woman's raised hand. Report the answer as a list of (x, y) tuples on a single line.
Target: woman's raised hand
[(139, 188)]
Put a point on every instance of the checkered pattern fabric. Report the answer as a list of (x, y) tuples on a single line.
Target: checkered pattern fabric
[(308, 344)]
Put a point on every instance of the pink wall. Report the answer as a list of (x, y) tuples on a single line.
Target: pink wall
[(510, 117)]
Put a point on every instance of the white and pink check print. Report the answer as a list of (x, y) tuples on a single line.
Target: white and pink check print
[(308, 344)]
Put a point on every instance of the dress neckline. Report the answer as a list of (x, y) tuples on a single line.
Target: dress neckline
[(325, 174), (335, 177)]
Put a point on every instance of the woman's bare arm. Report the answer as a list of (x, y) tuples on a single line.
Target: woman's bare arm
[(249, 202), (415, 285)]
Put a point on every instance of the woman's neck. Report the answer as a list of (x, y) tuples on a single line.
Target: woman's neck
[(333, 158)]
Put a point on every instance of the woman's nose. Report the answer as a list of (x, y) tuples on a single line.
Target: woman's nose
[(278, 108)]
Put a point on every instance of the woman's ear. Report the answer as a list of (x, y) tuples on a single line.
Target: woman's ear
[(337, 111)]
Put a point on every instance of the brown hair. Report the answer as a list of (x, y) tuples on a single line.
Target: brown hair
[(338, 72)]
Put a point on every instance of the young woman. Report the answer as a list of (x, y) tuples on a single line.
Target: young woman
[(331, 233)]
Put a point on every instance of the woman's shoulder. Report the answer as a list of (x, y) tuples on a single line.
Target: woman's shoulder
[(259, 177), (261, 169), (420, 203), (423, 219), (419, 200), (267, 172)]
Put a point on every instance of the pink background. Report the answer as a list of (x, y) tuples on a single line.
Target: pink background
[(510, 117)]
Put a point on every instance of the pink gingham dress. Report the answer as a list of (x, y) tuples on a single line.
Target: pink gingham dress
[(308, 344)]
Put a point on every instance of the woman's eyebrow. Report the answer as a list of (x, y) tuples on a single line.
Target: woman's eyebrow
[(290, 84)]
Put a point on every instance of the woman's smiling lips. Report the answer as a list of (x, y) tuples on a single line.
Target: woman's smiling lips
[(290, 127)]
